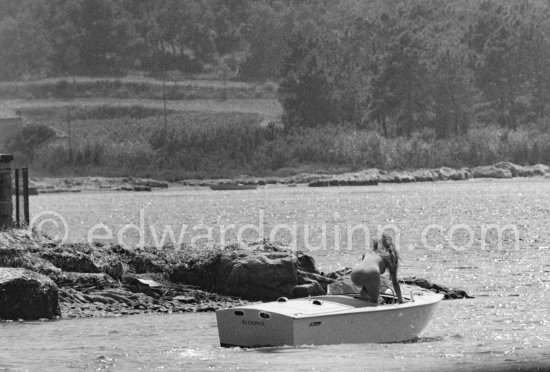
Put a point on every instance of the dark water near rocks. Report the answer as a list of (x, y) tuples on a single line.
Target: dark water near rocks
[(507, 325)]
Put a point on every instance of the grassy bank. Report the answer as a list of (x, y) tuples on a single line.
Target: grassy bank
[(222, 145)]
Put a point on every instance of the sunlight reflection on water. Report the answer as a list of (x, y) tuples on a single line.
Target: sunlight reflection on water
[(506, 326)]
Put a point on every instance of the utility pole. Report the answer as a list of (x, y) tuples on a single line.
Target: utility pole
[(164, 98), (69, 139)]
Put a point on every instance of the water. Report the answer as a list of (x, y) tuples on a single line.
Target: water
[(506, 326)]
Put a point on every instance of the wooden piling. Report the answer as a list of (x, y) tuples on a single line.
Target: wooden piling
[(6, 192)]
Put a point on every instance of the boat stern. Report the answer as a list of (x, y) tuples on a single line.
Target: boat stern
[(251, 327)]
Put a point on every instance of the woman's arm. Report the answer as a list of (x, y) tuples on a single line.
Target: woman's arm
[(396, 286)]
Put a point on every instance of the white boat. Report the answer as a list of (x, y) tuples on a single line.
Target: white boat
[(322, 320)]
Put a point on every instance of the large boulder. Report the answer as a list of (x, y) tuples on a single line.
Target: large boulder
[(256, 275), (490, 171), (260, 271), (27, 295)]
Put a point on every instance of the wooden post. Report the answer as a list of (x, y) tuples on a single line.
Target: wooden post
[(17, 204), (26, 195), (6, 202)]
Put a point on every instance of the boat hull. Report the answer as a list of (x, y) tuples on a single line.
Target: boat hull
[(335, 320)]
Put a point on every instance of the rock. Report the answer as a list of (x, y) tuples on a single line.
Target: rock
[(449, 293), (138, 260), (84, 280), (73, 261), (136, 188), (490, 171), (19, 258), (115, 268), (368, 177), (446, 174), (536, 170), (185, 299), (319, 183), (424, 175), (27, 295), (513, 168), (524, 171), (147, 182), (462, 174), (306, 262), (322, 280), (255, 275), (397, 177), (200, 271), (141, 285), (308, 289)]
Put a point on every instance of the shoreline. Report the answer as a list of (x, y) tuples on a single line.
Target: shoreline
[(367, 177)]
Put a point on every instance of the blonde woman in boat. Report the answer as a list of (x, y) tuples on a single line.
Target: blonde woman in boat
[(374, 263)]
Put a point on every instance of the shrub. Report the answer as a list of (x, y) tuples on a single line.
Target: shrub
[(29, 139)]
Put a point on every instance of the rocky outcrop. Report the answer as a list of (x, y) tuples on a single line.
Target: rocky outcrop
[(524, 171), (491, 171), (27, 295), (369, 177), (375, 176), (112, 280), (449, 293), (78, 184)]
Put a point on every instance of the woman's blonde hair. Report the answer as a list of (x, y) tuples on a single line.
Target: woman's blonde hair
[(385, 248)]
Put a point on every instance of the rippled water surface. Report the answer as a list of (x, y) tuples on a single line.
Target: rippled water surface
[(445, 236)]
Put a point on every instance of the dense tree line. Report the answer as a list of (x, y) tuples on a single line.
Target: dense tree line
[(395, 66), (105, 37), (424, 65)]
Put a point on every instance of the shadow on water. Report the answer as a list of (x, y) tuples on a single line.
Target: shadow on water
[(281, 349), (421, 340)]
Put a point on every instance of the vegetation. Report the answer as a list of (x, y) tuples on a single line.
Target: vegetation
[(388, 84), (133, 142), (174, 90)]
